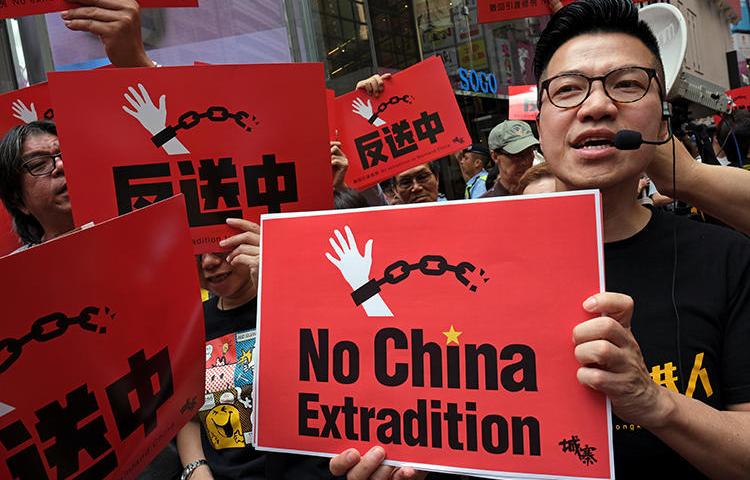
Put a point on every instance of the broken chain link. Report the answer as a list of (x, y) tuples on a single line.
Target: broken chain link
[(190, 119), (391, 101), (433, 265), (49, 327)]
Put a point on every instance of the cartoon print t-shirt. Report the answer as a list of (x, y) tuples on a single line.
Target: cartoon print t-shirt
[(226, 414)]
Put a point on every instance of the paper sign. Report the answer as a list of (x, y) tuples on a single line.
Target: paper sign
[(740, 97), (101, 364), (8, 239), (443, 353), (333, 131), (522, 102), (501, 10), (22, 8), (25, 105), (211, 132), (414, 120)]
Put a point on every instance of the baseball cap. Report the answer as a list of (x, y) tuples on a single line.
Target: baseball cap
[(512, 136)]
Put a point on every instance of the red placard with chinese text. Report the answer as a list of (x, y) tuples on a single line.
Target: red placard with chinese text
[(8, 239), (218, 137), (22, 8), (102, 362), (489, 11), (740, 97), (414, 120), (442, 352), (25, 105), (522, 102)]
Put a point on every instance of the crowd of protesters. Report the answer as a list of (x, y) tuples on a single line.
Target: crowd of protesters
[(598, 70)]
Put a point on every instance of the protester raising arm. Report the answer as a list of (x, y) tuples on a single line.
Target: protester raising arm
[(723, 192), (373, 85), (117, 23)]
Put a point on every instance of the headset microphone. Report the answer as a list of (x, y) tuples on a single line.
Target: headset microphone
[(632, 140)]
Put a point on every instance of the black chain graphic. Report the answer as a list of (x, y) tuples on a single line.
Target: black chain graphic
[(61, 324), (391, 101), (400, 270), (190, 119), (49, 114)]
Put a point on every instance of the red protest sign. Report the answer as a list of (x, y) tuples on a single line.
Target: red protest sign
[(212, 132), (452, 360), (489, 11), (407, 125), (8, 239), (522, 102), (740, 97), (111, 322), (333, 132), (25, 105), (22, 8)]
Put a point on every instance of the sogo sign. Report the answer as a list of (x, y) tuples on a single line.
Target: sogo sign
[(477, 81)]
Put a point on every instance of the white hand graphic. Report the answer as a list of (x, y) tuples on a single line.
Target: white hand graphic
[(355, 269), (365, 111), (23, 113), (153, 119)]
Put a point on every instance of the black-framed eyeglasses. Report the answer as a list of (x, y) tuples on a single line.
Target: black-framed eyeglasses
[(405, 182), (622, 85), (42, 165)]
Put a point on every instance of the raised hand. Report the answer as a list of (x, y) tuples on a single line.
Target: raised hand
[(153, 119), (23, 113), (365, 111)]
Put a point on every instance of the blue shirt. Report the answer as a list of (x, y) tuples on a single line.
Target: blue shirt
[(476, 187)]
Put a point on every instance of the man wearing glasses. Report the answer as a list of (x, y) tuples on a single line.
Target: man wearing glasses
[(669, 350), (418, 184), (32, 183)]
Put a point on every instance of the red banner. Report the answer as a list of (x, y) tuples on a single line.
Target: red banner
[(740, 97), (22, 8), (414, 120), (25, 105), (102, 363), (8, 239), (442, 352), (522, 102), (213, 132), (489, 11)]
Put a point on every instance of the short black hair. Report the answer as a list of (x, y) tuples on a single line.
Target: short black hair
[(11, 148), (346, 198), (594, 16)]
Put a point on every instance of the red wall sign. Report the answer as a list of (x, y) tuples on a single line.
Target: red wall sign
[(25, 105), (214, 133), (444, 353), (489, 11), (414, 120), (21, 8), (522, 102), (101, 364)]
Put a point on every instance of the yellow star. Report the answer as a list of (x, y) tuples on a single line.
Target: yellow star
[(452, 336)]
